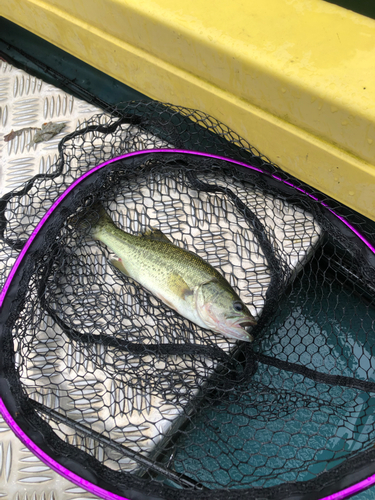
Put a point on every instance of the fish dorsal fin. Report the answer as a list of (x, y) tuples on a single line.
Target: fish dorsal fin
[(156, 235)]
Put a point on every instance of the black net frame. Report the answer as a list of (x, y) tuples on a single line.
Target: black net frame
[(342, 257)]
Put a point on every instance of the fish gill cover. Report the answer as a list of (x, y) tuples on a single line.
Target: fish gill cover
[(115, 388)]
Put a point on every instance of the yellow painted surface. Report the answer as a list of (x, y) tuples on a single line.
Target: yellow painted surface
[(296, 78)]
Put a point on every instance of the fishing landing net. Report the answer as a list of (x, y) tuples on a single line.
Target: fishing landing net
[(125, 397)]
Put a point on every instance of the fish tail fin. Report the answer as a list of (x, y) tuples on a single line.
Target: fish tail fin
[(91, 221), (99, 220)]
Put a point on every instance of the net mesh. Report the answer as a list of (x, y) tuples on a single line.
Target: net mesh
[(128, 391)]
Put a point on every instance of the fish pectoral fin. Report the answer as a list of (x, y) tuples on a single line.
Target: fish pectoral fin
[(178, 285), (120, 266), (155, 234)]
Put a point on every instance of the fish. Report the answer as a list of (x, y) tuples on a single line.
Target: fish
[(179, 278)]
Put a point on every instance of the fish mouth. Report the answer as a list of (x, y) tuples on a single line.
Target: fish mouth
[(233, 327), (238, 330), (239, 333), (247, 323)]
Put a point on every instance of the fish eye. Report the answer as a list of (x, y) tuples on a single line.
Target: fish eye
[(238, 306)]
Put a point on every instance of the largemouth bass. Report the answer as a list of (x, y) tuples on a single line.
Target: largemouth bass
[(181, 279)]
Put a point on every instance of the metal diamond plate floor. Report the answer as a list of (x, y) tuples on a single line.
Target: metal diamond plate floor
[(26, 101)]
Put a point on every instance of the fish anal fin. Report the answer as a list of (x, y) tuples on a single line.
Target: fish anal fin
[(155, 234), (120, 266)]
